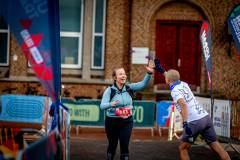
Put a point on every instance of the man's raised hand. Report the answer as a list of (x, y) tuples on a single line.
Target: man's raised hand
[(158, 66)]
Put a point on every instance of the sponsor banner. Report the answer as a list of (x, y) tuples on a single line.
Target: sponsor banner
[(205, 103), (87, 112), (164, 109), (84, 112), (221, 117)]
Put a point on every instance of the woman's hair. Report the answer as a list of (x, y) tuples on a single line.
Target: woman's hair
[(173, 75), (115, 72)]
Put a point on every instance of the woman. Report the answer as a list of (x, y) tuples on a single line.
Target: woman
[(117, 102)]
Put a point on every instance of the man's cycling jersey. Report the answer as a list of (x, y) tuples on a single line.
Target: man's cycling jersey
[(181, 89)]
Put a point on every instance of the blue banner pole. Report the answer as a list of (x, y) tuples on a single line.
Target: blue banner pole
[(54, 24)]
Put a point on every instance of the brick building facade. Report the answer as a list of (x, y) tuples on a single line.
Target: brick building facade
[(132, 23)]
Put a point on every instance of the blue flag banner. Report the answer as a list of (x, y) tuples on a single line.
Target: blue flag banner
[(206, 43), (164, 109), (234, 25), (35, 25)]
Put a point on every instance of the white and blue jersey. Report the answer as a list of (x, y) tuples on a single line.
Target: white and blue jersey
[(181, 89)]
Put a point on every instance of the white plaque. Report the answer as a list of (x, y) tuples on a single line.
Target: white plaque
[(139, 55)]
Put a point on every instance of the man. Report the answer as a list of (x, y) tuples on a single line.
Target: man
[(195, 119)]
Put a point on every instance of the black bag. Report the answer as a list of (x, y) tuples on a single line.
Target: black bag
[(128, 89)]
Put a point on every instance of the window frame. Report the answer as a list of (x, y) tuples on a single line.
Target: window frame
[(79, 35), (8, 45), (97, 34)]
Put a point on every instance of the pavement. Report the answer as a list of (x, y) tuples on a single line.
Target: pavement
[(92, 146)]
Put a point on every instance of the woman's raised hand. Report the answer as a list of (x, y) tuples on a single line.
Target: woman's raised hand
[(150, 67)]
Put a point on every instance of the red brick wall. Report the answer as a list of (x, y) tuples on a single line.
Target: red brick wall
[(226, 74), (131, 23), (117, 36), (19, 67), (69, 90)]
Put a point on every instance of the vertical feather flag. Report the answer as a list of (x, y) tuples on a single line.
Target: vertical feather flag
[(206, 43), (205, 38), (35, 25)]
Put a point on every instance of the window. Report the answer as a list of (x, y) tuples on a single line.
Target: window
[(4, 45), (98, 40), (71, 22)]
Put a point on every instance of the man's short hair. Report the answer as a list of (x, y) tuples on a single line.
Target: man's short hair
[(173, 75)]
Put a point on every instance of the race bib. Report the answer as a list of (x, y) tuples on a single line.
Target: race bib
[(123, 112)]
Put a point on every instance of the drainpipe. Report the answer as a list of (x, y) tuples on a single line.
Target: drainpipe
[(129, 37)]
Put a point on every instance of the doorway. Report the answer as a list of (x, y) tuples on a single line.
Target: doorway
[(178, 47)]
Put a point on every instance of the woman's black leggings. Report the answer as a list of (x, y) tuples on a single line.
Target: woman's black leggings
[(118, 129)]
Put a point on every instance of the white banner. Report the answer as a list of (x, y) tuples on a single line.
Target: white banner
[(177, 120), (175, 124), (139, 55), (205, 103), (221, 117)]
